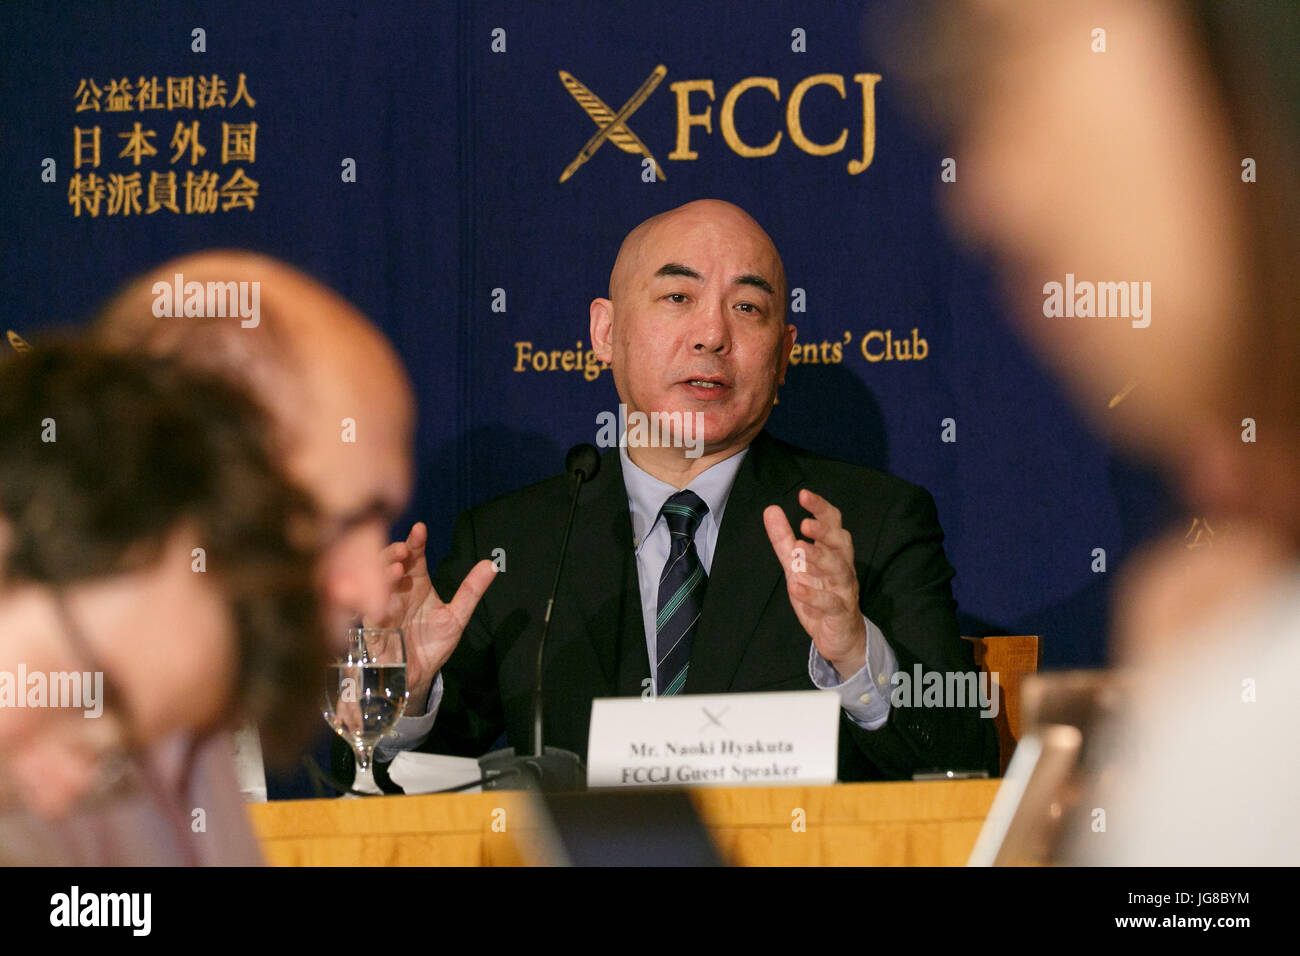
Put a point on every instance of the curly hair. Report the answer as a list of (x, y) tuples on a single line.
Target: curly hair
[(141, 445)]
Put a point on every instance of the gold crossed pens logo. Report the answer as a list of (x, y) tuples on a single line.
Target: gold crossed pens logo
[(610, 125)]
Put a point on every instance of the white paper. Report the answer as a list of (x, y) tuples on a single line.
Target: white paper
[(720, 740), (249, 768), (428, 773)]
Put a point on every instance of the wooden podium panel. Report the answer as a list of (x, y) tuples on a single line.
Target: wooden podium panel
[(931, 823)]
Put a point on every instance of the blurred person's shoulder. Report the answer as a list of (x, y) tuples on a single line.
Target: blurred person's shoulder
[(1204, 770), (128, 826)]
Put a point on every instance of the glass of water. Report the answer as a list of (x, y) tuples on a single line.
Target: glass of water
[(365, 694)]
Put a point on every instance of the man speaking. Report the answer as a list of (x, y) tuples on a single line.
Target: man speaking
[(685, 572)]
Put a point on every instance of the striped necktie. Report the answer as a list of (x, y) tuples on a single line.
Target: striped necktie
[(681, 592)]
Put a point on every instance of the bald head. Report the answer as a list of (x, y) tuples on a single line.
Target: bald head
[(720, 221), (336, 390), (307, 345)]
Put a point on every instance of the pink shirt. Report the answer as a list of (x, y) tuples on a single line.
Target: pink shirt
[(206, 824)]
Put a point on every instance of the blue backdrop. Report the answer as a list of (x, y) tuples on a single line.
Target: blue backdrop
[(459, 149)]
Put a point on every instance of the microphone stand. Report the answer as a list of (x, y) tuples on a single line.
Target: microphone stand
[(548, 769)]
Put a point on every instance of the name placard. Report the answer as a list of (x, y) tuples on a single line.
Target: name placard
[(719, 740)]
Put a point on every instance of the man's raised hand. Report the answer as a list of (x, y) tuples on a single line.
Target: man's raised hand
[(821, 581), (432, 628)]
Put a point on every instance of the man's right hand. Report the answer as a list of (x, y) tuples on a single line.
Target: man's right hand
[(432, 628)]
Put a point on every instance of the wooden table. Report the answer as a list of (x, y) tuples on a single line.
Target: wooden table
[(864, 824)]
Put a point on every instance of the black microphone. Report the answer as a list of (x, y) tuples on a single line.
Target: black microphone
[(582, 462), (546, 768)]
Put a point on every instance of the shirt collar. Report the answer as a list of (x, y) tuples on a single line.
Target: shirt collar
[(646, 494)]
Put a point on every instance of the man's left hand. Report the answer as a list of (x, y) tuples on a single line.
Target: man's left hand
[(821, 580)]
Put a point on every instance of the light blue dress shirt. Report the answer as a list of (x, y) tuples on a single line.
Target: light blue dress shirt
[(866, 702)]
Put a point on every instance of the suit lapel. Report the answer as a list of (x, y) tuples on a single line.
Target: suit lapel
[(602, 579), (745, 570)]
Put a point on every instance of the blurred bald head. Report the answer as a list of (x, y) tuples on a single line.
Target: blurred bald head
[(333, 384)]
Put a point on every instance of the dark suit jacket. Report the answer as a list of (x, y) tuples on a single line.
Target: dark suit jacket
[(748, 638)]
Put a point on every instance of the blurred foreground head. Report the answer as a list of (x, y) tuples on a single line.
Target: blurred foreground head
[(1152, 142), (337, 393), (146, 533), (1155, 144)]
